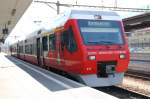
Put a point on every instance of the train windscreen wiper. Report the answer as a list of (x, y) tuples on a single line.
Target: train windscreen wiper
[(106, 42), (101, 42), (95, 42)]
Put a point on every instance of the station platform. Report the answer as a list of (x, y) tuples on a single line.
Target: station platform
[(21, 80)]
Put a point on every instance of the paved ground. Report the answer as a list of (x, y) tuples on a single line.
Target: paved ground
[(20, 80)]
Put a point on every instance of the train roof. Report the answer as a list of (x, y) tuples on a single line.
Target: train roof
[(35, 33), (89, 14), (75, 13), (83, 14)]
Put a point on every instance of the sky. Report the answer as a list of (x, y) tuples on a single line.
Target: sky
[(40, 15)]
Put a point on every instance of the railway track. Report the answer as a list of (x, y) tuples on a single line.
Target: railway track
[(139, 60), (123, 93), (138, 74)]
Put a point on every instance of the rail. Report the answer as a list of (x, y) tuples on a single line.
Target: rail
[(138, 74), (123, 93)]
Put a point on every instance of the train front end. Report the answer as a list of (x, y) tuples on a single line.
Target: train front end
[(105, 51)]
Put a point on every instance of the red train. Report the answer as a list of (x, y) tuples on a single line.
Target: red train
[(89, 45)]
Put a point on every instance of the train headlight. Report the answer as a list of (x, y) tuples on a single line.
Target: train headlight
[(92, 57), (122, 56)]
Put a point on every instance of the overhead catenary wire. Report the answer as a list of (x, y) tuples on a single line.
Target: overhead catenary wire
[(116, 8)]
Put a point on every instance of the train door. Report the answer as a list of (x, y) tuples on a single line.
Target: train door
[(59, 51), (69, 49), (38, 51), (62, 48), (44, 50), (52, 49)]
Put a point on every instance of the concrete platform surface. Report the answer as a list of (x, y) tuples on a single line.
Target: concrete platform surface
[(21, 80)]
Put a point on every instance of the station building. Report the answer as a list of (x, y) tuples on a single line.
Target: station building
[(139, 27), (140, 38)]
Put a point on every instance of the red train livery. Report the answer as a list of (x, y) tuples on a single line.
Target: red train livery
[(87, 44)]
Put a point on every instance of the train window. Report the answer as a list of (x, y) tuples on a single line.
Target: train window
[(69, 40), (101, 32), (63, 39), (18, 49), (35, 48), (31, 49), (21, 49), (52, 42), (44, 43), (26, 49)]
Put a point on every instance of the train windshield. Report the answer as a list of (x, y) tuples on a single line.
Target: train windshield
[(103, 32)]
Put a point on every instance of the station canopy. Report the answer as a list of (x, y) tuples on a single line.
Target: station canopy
[(10, 13)]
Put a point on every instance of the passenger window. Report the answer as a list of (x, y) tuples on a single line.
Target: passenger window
[(44, 43), (69, 40), (63, 40), (22, 49), (31, 49), (27, 49), (52, 42)]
